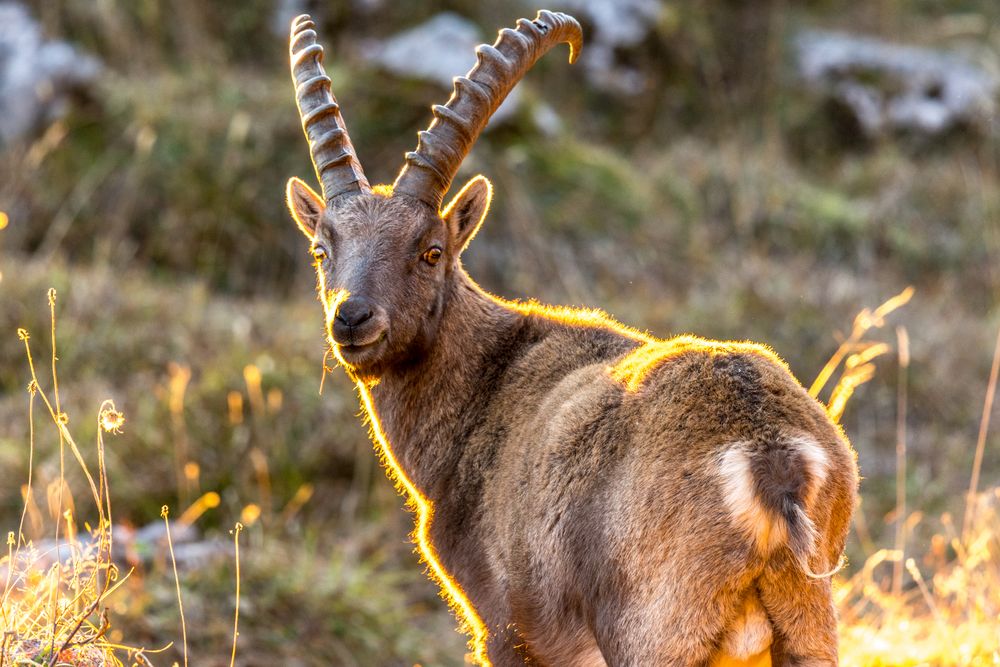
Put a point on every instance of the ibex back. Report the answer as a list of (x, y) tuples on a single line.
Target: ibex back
[(586, 495)]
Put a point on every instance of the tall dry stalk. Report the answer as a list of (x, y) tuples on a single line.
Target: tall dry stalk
[(236, 615), (857, 355), (903, 354), (165, 513), (947, 618), (984, 427)]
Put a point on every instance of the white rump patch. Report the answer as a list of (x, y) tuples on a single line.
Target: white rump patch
[(750, 634), (816, 461), (767, 531)]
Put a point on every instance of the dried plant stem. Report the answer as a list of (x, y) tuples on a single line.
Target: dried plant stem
[(19, 538), (236, 615), (101, 498), (984, 427), (62, 469), (864, 321), (74, 592), (104, 544), (64, 434), (911, 567), (165, 513), (32, 392), (326, 369), (903, 353)]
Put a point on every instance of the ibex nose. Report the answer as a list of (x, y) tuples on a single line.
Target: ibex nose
[(354, 311)]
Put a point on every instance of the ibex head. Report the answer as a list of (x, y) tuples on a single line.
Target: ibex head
[(385, 255)]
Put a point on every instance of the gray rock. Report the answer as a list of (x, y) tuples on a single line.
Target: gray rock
[(156, 533), (436, 51), (143, 545), (198, 555), (891, 87), (37, 77), (617, 25), (284, 13)]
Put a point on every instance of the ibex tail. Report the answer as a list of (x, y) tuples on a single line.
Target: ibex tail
[(769, 487)]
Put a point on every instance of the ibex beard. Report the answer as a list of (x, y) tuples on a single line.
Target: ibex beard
[(586, 494)]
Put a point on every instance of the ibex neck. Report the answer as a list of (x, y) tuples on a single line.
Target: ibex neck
[(425, 405)]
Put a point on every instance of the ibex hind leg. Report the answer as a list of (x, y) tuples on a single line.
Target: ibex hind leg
[(676, 623), (802, 615), (663, 647)]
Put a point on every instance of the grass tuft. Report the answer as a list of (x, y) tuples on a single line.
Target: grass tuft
[(946, 615), (54, 608)]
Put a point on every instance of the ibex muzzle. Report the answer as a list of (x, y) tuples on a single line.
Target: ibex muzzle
[(585, 494)]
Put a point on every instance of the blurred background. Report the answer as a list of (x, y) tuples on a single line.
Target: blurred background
[(741, 170)]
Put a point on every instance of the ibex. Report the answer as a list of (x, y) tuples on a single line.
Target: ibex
[(585, 494)]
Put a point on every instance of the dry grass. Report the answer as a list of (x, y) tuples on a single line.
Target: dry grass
[(54, 614), (55, 605), (54, 610), (949, 613)]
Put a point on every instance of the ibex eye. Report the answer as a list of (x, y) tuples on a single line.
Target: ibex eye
[(319, 254), (433, 256)]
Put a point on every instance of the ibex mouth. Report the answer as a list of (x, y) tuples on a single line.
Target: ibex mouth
[(361, 344), (359, 351)]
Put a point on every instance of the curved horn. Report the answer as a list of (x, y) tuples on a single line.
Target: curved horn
[(429, 170), (333, 156)]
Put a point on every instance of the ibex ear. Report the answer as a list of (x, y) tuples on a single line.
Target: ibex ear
[(467, 210), (305, 205)]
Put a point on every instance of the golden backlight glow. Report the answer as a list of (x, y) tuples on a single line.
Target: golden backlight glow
[(451, 590), (633, 369), (592, 318)]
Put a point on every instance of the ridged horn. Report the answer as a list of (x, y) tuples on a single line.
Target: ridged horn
[(429, 170), (333, 155)]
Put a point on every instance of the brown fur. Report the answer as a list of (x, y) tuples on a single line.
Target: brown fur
[(590, 520)]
